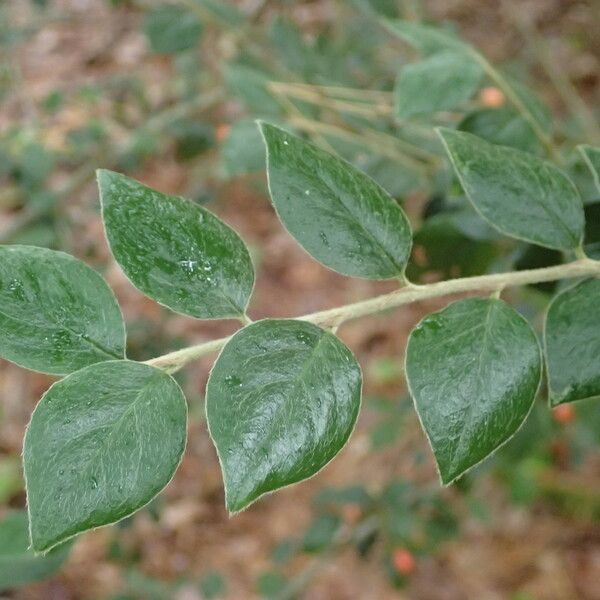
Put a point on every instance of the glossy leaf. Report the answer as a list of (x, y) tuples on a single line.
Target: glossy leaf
[(519, 194), (438, 83), (171, 29), (572, 343), (102, 442), (281, 402), (339, 215), (174, 251), (57, 314), (502, 126), (18, 563), (473, 370), (591, 156)]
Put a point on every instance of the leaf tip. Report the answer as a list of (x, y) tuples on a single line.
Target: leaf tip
[(105, 178), (444, 131)]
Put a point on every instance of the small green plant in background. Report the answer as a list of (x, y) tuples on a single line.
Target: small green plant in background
[(284, 395)]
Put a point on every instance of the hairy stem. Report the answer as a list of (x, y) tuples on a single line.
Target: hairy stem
[(334, 317)]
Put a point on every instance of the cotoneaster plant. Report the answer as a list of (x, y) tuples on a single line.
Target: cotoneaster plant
[(284, 394)]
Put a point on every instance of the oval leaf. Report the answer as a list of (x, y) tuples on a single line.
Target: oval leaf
[(18, 563), (292, 392), (171, 29), (572, 343), (101, 443), (440, 82), (175, 252), (473, 370), (57, 314), (592, 159), (339, 215), (427, 39), (519, 194)]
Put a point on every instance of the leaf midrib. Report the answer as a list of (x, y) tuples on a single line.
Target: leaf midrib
[(363, 227), (297, 381), (457, 454), (85, 337)]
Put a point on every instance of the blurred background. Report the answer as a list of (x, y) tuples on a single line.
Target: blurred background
[(167, 92)]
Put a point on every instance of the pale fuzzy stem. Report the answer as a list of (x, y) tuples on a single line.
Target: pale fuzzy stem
[(584, 267)]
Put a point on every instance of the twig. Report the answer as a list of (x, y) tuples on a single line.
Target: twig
[(585, 267)]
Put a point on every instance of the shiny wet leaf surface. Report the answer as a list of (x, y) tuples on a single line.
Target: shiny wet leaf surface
[(339, 215), (519, 194), (100, 444), (57, 314), (281, 402), (474, 370), (174, 251)]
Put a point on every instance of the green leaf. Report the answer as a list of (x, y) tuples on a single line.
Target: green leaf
[(572, 343), (440, 82), (591, 156), (175, 252), (292, 392), (56, 313), (427, 39), (230, 15), (537, 108), (473, 370), (445, 249), (290, 48), (171, 29), (501, 126), (250, 85), (519, 194), (397, 178), (238, 152), (18, 564), (376, 8), (339, 215), (321, 532), (101, 443)]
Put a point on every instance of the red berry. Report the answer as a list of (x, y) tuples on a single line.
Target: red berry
[(491, 97), (222, 131), (563, 414), (404, 561)]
